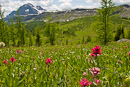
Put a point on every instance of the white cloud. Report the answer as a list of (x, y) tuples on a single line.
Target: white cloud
[(121, 1), (65, 1), (115, 1), (66, 5), (10, 5), (54, 7), (93, 1)]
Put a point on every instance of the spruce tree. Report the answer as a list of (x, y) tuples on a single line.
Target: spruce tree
[(19, 28), (1, 24), (50, 31), (13, 32), (38, 36), (30, 39), (104, 17)]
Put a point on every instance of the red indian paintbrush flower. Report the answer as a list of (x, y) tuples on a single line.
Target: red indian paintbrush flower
[(18, 51), (97, 50), (129, 53), (84, 82), (43, 53), (95, 71), (48, 60), (98, 81), (5, 62), (13, 59), (126, 47), (92, 55)]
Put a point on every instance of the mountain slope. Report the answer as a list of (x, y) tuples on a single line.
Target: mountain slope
[(37, 13), (26, 10)]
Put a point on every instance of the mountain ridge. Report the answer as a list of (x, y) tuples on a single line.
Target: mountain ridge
[(30, 12)]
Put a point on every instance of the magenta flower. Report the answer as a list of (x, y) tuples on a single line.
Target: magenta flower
[(98, 81), (43, 53), (5, 62), (92, 55), (48, 61), (18, 51), (85, 73), (126, 47), (84, 82), (97, 50), (95, 71), (12, 59), (129, 53)]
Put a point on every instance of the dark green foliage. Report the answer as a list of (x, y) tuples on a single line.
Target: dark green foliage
[(66, 41), (123, 34), (2, 28), (13, 32), (38, 36), (30, 39), (128, 36), (119, 33), (30, 26), (21, 31), (83, 40), (50, 32), (23, 34), (88, 39)]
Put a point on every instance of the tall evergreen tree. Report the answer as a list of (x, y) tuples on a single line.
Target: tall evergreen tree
[(21, 31), (38, 36), (23, 34), (19, 28), (30, 39), (104, 16), (50, 32), (13, 32), (1, 24)]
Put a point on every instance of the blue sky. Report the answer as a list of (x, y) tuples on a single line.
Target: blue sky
[(11, 5)]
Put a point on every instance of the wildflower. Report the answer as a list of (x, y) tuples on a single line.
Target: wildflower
[(92, 55), (51, 52), (84, 82), (129, 53), (43, 53), (126, 47), (95, 71), (97, 50), (12, 59), (98, 81), (48, 61), (85, 73), (5, 62), (18, 51)]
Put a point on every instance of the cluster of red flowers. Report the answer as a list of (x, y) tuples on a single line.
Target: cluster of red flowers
[(18, 51), (95, 71), (96, 51), (48, 61), (84, 82), (12, 60)]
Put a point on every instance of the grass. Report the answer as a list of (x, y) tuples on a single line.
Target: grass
[(67, 68)]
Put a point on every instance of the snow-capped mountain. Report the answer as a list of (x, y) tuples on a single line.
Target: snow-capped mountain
[(25, 10)]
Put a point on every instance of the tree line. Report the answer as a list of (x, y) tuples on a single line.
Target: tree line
[(15, 33)]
